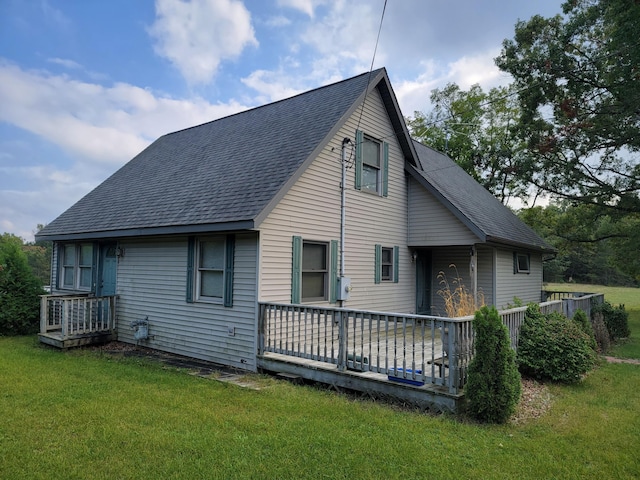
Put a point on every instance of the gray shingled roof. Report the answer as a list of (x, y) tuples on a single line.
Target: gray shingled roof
[(471, 203), (215, 176)]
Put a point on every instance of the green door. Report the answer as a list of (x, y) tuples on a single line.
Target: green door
[(423, 282), (108, 270)]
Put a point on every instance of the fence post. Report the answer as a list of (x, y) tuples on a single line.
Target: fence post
[(342, 340), (44, 313)]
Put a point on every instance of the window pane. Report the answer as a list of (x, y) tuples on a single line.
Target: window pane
[(85, 277), (67, 277), (86, 255), (523, 263), (370, 178), (212, 254), (211, 284), (386, 272), (371, 153), (69, 255), (314, 256), (387, 255), (313, 285)]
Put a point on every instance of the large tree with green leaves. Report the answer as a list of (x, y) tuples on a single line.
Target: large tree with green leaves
[(577, 79), (478, 130)]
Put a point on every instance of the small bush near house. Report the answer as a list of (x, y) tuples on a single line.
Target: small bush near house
[(19, 290), (600, 332), (553, 347), (581, 319), (616, 319), (493, 388)]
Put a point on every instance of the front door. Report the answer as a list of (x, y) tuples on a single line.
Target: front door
[(423, 282), (108, 270)]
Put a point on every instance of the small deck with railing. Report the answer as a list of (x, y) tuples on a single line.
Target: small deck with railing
[(417, 358), (72, 321)]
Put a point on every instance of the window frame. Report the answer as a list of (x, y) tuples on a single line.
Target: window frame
[(393, 265), (367, 165), (382, 169), (76, 266), (200, 269), (324, 271), (194, 278), (517, 268)]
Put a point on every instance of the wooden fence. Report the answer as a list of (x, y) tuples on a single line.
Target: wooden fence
[(77, 315)]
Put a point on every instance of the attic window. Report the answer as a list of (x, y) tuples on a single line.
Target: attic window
[(521, 263), (372, 165)]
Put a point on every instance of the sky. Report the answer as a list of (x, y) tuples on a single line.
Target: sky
[(85, 85)]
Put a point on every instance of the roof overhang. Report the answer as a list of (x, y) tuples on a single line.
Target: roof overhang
[(150, 231)]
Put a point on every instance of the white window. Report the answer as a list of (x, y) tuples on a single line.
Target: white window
[(210, 269), (387, 265), (371, 172), (77, 266), (315, 271)]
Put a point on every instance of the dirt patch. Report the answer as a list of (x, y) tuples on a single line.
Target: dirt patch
[(535, 401), (632, 361)]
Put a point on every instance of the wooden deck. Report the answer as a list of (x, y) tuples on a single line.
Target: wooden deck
[(378, 385), (56, 339)]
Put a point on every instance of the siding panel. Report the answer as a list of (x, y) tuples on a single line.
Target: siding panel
[(509, 285), (152, 281), (311, 209)]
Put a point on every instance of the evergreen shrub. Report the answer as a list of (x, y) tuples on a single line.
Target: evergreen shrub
[(553, 347), (19, 290), (615, 318), (494, 385), (581, 319)]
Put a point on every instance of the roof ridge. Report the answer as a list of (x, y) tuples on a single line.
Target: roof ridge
[(372, 73)]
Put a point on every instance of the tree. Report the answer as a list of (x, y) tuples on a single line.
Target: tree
[(477, 130), (577, 79), (19, 289)]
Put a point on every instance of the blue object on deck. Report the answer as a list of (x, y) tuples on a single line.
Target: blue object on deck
[(409, 380)]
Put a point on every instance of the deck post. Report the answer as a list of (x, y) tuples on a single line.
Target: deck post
[(342, 340), (44, 313)]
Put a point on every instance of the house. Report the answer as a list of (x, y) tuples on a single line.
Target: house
[(207, 223)]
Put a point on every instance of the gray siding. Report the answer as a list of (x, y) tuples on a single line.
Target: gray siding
[(509, 285), (486, 262), (431, 224), (311, 209), (152, 282)]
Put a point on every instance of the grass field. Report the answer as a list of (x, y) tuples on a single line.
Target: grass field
[(89, 415)]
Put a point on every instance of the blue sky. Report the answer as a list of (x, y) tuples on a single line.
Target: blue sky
[(85, 85)]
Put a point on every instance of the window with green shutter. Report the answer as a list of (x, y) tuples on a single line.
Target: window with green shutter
[(371, 165), (210, 269), (386, 264), (314, 271)]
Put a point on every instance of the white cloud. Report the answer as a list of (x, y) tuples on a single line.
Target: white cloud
[(65, 62), (305, 6), (93, 122), (271, 85), (277, 21), (197, 35), (480, 69)]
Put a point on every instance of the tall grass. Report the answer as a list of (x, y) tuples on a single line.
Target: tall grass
[(83, 415), (458, 300)]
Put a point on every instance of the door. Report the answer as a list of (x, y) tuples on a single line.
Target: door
[(108, 270), (423, 282)]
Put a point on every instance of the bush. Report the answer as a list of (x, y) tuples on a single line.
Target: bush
[(615, 318), (493, 388), (553, 347), (600, 332), (19, 290), (581, 319)]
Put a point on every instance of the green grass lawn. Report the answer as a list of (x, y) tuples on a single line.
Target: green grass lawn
[(85, 415)]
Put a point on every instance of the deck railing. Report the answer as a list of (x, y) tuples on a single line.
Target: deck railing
[(77, 315), (572, 301), (416, 349), (411, 348)]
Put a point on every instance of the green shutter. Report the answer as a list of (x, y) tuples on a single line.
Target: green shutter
[(191, 253), (396, 264), (378, 264), (230, 247), (385, 169), (296, 270), (333, 273), (358, 169)]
